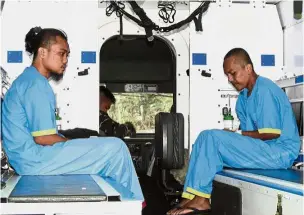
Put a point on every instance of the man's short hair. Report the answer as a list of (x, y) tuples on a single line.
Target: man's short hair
[(242, 56), (107, 93)]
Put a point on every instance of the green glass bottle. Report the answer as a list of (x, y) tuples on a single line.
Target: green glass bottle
[(279, 206), (228, 117), (58, 117), (57, 114)]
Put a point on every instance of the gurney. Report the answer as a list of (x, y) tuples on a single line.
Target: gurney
[(63, 194)]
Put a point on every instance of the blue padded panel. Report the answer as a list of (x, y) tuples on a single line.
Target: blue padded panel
[(289, 175), (267, 60), (299, 79), (14, 57), (57, 188), (293, 176), (199, 59), (88, 57)]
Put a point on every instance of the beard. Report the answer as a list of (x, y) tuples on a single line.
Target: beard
[(56, 77)]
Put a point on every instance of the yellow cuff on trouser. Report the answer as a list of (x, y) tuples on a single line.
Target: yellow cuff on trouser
[(187, 195), (192, 191)]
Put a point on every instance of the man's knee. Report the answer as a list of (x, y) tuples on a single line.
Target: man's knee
[(204, 135), (201, 137), (214, 132), (119, 148), (112, 144)]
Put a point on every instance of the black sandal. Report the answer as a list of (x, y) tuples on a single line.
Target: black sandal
[(178, 207), (197, 211)]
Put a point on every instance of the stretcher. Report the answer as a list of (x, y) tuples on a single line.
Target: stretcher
[(63, 194)]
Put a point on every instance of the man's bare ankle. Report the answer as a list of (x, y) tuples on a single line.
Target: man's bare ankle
[(185, 200)]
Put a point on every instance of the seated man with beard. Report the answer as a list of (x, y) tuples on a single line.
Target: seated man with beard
[(30, 138)]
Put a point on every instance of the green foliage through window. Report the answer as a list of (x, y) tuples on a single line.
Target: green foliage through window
[(140, 109)]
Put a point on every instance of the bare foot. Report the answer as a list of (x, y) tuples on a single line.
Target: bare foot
[(179, 206), (198, 203)]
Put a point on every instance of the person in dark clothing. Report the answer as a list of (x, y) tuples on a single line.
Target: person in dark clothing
[(107, 126)]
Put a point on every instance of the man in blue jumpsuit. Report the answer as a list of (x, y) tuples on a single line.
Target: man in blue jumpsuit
[(268, 139), (30, 137)]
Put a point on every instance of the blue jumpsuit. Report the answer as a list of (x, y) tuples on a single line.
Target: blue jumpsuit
[(266, 110), (28, 111)]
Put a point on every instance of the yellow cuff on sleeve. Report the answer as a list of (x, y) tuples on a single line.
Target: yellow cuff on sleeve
[(44, 132), (269, 131), (197, 193)]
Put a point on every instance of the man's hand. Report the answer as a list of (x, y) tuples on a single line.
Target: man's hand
[(235, 126), (49, 139), (226, 129)]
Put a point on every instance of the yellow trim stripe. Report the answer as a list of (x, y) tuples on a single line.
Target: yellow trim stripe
[(269, 131), (197, 193), (188, 195), (44, 132)]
